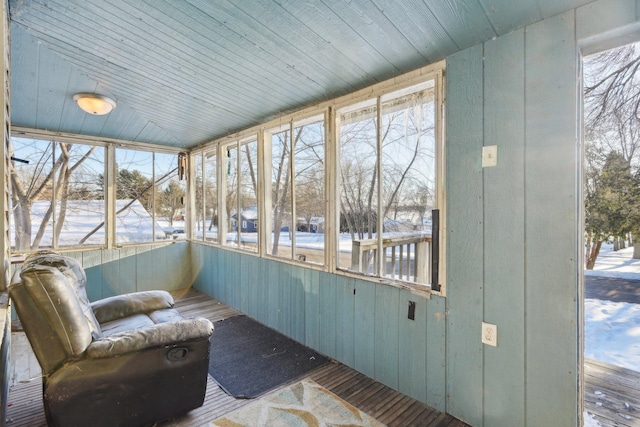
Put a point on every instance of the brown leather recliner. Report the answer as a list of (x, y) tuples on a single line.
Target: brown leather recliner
[(128, 360)]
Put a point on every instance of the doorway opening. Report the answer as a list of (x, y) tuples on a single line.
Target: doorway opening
[(611, 94)]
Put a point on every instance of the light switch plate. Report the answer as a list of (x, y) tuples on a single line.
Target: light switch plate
[(489, 156), (489, 334)]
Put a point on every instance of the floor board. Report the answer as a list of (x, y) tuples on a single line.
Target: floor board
[(612, 394)]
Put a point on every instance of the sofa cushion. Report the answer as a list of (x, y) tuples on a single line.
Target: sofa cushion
[(77, 281), (120, 306), (57, 303), (126, 324), (166, 315)]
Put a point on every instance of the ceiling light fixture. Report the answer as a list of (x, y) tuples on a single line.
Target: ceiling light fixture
[(94, 104)]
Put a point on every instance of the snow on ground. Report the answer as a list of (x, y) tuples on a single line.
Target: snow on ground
[(616, 264), (612, 332), (590, 420), (612, 329)]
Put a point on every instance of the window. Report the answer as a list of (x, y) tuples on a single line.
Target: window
[(199, 216), (241, 200), (169, 196), (388, 190), (362, 194), (297, 190), (205, 218), (57, 194), (149, 197)]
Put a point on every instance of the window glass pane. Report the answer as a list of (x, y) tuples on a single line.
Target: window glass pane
[(408, 180), (70, 174), (134, 197), (358, 187), (281, 194), (80, 206), (210, 197), (249, 195), (169, 198), (309, 191), (231, 195), (197, 224)]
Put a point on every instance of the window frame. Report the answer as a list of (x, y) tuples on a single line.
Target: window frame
[(110, 174), (289, 122)]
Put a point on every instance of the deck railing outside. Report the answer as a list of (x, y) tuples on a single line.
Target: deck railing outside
[(406, 256)]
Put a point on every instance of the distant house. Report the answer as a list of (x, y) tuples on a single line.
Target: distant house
[(315, 225), (248, 220)]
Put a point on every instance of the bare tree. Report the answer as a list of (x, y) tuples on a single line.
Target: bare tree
[(50, 179), (612, 124), (405, 145), (281, 187)]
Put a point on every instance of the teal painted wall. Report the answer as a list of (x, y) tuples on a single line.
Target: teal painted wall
[(514, 231), (136, 268), (362, 324)]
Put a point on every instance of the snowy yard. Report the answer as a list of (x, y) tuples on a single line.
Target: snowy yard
[(612, 329)]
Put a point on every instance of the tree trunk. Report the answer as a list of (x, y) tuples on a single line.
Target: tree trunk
[(636, 251), (592, 254)]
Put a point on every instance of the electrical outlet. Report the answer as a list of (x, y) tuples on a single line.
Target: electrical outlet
[(489, 334), (489, 156)]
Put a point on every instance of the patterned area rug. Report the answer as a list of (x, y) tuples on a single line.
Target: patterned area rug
[(303, 404)]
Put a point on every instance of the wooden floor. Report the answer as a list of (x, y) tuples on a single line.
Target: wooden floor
[(383, 403), (612, 394)]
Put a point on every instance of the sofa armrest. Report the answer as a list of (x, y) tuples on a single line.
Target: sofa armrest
[(150, 337), (126, 305)]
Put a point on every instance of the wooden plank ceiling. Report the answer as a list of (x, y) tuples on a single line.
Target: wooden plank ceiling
[(186, 72)]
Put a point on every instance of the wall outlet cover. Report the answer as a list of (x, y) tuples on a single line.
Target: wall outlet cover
[(489, 334), (489, 156)]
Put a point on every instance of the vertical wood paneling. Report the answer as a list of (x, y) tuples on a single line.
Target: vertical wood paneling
[(364, 318), (345, 320), (245, 283), (263, 290), (91, 261), (110, 267), (312, 308), (178, 265), (128, 270), (412, 347), (367, 330), (216, 271), (328, 314), (465, 234), (298, 304), (504, 249), (386, 336), (250, 282), (284, 296), (229, 261), (160, 260), (550, 199), (436, 353), (273, 299), (145, 264), (196, 256)]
